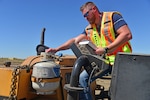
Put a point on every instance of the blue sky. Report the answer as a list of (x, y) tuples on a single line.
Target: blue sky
[(21, 23)]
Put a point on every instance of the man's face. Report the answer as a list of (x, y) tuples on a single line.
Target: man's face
[(89, 15)]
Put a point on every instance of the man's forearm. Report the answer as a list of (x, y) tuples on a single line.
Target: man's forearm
[(66, 45)]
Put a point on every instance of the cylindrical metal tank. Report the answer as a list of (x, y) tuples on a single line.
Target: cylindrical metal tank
[(45, 76)]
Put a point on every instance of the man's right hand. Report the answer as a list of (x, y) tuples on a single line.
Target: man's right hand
[(52, 50)]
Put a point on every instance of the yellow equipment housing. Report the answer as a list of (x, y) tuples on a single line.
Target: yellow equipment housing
[(22, 89)]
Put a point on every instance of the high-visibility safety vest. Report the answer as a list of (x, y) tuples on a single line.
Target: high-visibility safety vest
[(106, 36)]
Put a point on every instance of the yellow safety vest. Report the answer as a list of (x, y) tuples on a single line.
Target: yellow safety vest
[(106, 36)]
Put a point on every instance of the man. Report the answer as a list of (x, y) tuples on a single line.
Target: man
[(107, 30)]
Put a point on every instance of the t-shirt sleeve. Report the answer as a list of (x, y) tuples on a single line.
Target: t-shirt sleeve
[(84, 32), (118, 21)]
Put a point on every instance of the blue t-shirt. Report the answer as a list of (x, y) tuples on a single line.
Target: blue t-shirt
[(118, 21)]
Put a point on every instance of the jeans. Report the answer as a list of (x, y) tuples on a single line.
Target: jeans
[(83, 81)]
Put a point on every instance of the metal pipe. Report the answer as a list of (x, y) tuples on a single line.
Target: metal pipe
[(42, 36)]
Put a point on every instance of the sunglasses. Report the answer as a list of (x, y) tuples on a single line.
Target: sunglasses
[(87, 13)]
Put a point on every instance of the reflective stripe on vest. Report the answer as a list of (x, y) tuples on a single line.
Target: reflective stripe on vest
[(95, 37), (107, 36)]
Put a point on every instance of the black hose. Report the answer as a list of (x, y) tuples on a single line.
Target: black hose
[(74, 80), (80, 62)]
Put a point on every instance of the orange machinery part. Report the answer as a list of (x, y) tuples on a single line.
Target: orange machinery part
[(23, 85)]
